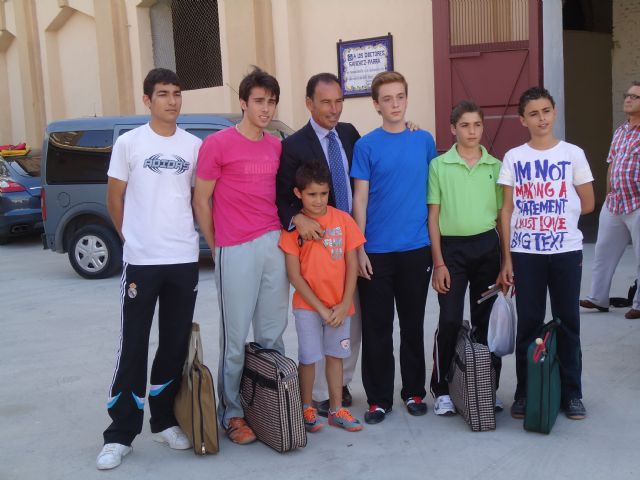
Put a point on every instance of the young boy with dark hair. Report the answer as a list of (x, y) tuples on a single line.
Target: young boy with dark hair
[(151, 174), (236, 192), (464, 200), (547, 185), (324, 274)]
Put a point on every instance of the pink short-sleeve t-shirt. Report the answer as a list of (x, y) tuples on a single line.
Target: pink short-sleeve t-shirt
[(244, 198)]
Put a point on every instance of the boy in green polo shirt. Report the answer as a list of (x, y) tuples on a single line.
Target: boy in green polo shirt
[(464, 200)]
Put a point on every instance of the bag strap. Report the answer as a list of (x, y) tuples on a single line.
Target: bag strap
[(540, 347), (195, 351), (257, 379), (259, 349)]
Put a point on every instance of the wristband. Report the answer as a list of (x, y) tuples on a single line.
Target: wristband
[(438, 266)]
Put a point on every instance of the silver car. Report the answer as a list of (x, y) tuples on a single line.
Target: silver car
[(75, 161)]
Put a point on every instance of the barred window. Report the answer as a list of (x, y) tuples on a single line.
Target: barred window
[(186, 39)]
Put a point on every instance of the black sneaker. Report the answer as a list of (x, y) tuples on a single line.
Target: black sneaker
[(375, 414), (519, 407), (415, 406), (574, 409), (322, 408), (347, 399)]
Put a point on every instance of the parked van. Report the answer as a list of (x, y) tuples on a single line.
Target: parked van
[(75, 160)]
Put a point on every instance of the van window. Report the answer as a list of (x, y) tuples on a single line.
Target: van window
[(201, 133), (79, 156)]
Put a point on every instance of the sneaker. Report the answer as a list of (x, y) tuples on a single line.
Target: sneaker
[(499, 405), (519, 408), (239, 432), (444, 406), (343, 419), (347, 399), (311, 423), (111, 455), (574, 409), (375, 414), (174, 437), (416, 407)]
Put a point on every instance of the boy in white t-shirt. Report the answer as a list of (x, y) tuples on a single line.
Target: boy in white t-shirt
[(547, 186), (149, 199)]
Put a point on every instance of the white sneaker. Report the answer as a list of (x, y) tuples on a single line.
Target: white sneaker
[(499, 405), (111, 455), (174, 437), (444, 406)]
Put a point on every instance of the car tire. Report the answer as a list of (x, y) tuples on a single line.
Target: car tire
[(4, 240), (95, 252)]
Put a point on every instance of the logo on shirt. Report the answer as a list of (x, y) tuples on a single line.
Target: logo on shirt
[(542, 222), (155, 163), (333, 241)]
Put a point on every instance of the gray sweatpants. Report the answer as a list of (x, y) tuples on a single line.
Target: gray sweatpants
[(253, 289), (614, 234)]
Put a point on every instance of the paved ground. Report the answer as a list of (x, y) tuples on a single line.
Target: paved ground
[(58, 345)]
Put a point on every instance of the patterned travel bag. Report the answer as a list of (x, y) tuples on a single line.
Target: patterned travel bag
[(543, 381), (472, 381), (270, 395)]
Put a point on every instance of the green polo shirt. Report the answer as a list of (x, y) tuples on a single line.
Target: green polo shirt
[(469, 199)]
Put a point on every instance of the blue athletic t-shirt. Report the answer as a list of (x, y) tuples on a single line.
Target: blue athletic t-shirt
[(396, 166)]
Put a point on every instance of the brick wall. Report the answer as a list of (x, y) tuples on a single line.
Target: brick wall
[(626, 52)]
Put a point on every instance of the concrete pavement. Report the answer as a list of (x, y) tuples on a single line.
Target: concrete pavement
[(58, 345)]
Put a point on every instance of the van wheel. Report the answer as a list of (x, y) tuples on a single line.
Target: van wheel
[(95, 252)]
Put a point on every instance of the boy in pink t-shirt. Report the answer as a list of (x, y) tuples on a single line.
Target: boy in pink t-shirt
[(234, 204)]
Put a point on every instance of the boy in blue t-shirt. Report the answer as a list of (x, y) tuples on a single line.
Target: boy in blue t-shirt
[(390, 169)]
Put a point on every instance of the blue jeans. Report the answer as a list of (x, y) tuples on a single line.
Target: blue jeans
[(561, 274)]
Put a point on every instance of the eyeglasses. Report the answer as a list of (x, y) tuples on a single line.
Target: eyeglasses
[(631, 96)]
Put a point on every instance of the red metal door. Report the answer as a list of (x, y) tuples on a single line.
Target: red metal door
[(488, 51)]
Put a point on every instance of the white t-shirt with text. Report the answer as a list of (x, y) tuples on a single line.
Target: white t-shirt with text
[(158, 224), (546, 204)]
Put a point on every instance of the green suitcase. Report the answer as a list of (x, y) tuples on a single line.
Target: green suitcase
[(543, 381)]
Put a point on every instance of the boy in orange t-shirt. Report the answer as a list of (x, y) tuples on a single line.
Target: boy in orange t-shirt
[(324, 274)]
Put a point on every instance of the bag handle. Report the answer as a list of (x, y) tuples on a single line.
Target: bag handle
[(195, 351), (259, 349)]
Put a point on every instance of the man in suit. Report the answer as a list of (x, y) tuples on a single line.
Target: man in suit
[(324, 138)]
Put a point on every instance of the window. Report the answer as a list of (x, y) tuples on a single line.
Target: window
[(79, 157), (201, 133), (186, 39), (30, 165)]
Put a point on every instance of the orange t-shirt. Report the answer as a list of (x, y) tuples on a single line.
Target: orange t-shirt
[(322, 262)]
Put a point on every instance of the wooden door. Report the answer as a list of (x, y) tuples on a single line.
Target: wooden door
[(488, 51)]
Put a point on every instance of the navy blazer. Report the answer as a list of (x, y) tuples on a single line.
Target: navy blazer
[(300, 147)]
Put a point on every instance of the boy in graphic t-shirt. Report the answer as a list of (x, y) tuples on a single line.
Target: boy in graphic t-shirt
[(547, 186), (151, 174), (324, 274)]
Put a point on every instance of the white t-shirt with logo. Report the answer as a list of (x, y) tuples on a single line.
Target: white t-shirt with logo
[(158, 224), (546, 206)]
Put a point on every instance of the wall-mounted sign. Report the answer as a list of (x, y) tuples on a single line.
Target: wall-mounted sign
[(361, 60)]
